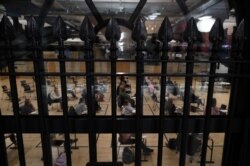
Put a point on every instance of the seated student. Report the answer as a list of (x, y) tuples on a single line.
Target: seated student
[(122, 96), (169, 81), (71, 92), (96, 101), (146, 80), (127, 109), (170, 107), (27, 108), (151, 88), (128, 138), (195, 99), (55, 95), (214, 109), (81, 108)]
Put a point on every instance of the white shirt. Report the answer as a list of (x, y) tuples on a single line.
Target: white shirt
[(128, 110)]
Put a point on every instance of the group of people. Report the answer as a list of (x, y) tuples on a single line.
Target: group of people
[(127, 105), (54, 96), (124, 101)]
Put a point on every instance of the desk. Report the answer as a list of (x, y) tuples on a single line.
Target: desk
[(223, 112)]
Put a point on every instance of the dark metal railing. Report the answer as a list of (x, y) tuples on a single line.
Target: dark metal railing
[(114, 124)]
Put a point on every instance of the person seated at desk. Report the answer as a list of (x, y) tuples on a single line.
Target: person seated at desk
[(27, 108), (169, 81), (81, 108), (71, 92), (97, 106), (169, 106), (123, 96), (151, 88), (129, 138), (55, 95), (214, 109), (195, 99), (127, 109)]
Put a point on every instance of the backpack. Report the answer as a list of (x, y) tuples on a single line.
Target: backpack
[(72, 111), (120, 101), (172, 144), (127, 156), (61, 160)]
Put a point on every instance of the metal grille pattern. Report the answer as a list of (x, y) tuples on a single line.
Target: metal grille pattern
[(44, 124)]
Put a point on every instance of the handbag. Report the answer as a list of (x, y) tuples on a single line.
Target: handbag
[(61, 160)]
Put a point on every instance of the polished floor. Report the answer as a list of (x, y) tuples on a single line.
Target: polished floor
[(80, 156)]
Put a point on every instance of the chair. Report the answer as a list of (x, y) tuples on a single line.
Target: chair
[(8, 97), (193, 144), (12, 138), (5, 91), (57, 143), (123, 144), (50, 101), (26, 87), (130, 144)]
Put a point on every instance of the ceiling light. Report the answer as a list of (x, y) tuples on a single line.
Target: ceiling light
[(74, 40), (156, 14), (122, 35), (204, 18), (152, 17), (120, 43), (205, 24)]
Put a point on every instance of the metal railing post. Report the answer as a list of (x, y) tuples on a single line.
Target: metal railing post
[(35, 36), (165, 34), (139, 35), (216, 36), (113, 34), (87, 34), (60, 33), (191, 35), (7, 33)]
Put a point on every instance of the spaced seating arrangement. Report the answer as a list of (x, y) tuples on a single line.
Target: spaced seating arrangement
[(27, 88)]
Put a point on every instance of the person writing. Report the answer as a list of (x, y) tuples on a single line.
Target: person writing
[(27, 108), (127, 109), (214, 109)]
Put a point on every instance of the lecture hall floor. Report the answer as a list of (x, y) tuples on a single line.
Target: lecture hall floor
[(33, 150)]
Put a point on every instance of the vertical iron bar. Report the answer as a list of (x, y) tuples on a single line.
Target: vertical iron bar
[(139, 102), (165, 34), (208, 106), (60, 33), (244, 152), (238, 44), (191, 35), (113, 59), (87, 34), (14, 96), (188, 83), (113, 34), (46, 148), (139, 35), (64, 101), (90, 99), (3, 150), (215, 36), (33, 30), (162, 103)]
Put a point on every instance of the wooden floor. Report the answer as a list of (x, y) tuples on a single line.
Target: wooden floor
[(33, 151)]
